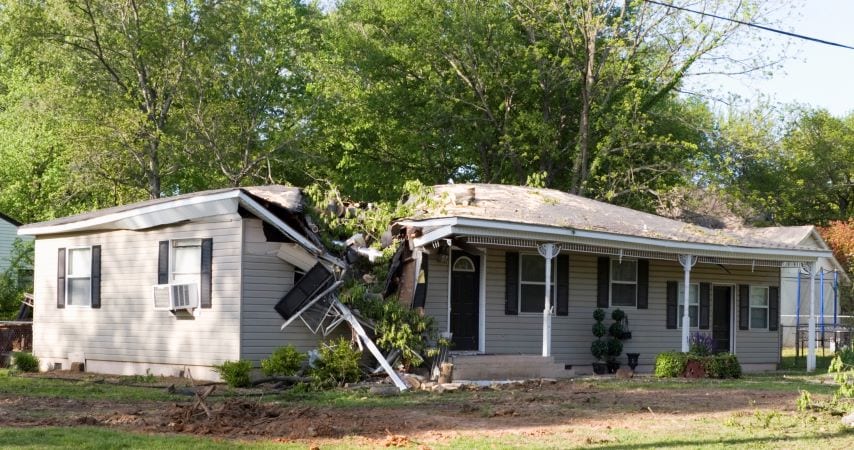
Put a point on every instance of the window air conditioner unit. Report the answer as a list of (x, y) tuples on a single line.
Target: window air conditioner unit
[(173, 297)]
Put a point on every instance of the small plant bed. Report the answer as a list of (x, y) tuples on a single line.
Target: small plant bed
[(698, 362)]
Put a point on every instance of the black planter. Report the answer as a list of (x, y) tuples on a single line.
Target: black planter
[(613, 366), (600, 368), (633, 360), (625, 335)]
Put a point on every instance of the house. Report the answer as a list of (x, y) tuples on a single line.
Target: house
[(8, 231), (171, 286), (795, 286), (480, 254)]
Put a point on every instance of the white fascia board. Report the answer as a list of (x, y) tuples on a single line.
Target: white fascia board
[(264, 214), (495, 228), (434, 235), (146, 216)]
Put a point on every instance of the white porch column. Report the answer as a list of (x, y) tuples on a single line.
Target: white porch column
[(548, 251), (811, 329), (687, 262)]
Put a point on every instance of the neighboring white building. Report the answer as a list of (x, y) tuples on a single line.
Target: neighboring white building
[(171, 286), (8, 233)]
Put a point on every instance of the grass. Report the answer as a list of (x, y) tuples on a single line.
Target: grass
[(12, 384), (790, 362)]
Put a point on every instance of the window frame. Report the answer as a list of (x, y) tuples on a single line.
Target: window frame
[(612, 281), (680, 304), (69, 277), (537, 283), (751, 307), (173, 254)]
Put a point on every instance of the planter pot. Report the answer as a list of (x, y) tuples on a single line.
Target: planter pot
[(600, 368), (613, 366), (633, 360)]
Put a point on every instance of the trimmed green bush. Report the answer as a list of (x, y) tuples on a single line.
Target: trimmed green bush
[(25, 362), (284, 361), (599, 349), (599, 329), (338, 363), (235, 373), (670, 364), (723, 365)]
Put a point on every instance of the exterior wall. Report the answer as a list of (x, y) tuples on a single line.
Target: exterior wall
[(126, 335), (8, 233), (571, 334), (266, 278)]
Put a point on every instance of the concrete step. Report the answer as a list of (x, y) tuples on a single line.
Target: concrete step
[(504, 367)]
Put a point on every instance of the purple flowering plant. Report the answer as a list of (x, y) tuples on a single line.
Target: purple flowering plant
[(700, 344)]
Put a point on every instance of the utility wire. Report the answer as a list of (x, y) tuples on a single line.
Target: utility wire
[(754, 25)]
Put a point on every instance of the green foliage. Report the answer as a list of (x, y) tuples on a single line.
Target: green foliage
[(338, 363), (804, 401), (722, 365), (616, 329), (25, 362), (618, 315), (842, 368), (284, 361), (670, 364), (599, 329), (235, 373), (598, 314), (13, 281), (599, 349)]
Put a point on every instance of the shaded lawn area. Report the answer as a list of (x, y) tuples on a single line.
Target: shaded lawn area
[(644, 413), (790, 362)]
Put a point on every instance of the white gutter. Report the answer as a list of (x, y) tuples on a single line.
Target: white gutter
[(457, 224)]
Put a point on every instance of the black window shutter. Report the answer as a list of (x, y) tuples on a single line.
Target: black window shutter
[(96, 276), (705, 298), (743, 307), (773, 308), (562, 301), (603, 281), (206, 273), (511, 289), (163, 263), (60, 279), (643, 284), (672, 299)]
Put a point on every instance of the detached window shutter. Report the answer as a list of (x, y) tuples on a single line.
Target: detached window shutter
[(773, 308), (96, 276), (163, 263), (562, 301), (743, 307), (60, 279), (603, 281), (511, 289), (206, 273), (643, 284), (705, 297), (672, 298)]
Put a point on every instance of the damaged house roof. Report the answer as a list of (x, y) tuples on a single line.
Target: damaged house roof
[(280, 206), (572, 213)]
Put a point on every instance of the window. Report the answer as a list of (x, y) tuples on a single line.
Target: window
[(78, 277), (532, 283), (186, 261), (463, 264), (758, 308), (624, 283), (693, 304)]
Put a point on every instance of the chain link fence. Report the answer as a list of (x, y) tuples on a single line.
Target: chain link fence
[(14, 337)]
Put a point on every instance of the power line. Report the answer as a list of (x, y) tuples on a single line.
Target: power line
[(753, 25)]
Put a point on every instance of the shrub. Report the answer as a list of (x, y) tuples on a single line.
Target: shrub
[(285, 361), (670, 364), (700, 344), (235, 373), (599, 314), (723, 365), (599, 329), (618, 315), (338, 363), (599, 348), (616, 330), (26, 362)]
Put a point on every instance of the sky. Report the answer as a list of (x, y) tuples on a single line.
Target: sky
[(813, 74)]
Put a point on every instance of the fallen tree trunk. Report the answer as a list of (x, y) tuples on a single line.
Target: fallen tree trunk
[(286, 380)]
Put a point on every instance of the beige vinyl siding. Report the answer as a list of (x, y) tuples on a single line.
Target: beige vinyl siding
[(436, 302), (127, 328), (572, 334), (266, 278)]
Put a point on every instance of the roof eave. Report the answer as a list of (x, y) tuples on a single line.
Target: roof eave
[(447, 226)]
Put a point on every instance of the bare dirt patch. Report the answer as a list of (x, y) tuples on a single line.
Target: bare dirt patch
[(528, 410)]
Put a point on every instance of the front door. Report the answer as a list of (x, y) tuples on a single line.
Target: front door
[(465, 290), (721, 318)]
